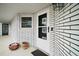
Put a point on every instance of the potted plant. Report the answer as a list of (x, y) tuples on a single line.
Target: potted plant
[(25, 45)]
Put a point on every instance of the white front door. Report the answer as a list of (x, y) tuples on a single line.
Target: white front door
[(26, 28), (43, 31)]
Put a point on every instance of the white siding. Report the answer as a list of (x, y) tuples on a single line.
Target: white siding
[(51, 24), (35, 29), (14, 29)]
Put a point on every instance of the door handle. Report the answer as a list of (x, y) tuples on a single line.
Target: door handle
[(48, 28)]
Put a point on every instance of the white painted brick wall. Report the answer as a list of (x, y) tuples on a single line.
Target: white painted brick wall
[(67, 32)]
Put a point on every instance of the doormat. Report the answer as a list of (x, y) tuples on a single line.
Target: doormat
[(38, 53)]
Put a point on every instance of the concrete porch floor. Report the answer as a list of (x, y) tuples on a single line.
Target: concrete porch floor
[(4, 50)]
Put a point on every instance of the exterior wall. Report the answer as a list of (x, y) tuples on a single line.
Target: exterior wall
[(14, 29), (35, 29), (67, 31), (52, 33)]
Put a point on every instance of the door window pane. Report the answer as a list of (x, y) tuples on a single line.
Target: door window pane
[(26, 22)]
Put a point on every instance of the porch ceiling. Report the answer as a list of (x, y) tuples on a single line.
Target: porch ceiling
[(8, 10)]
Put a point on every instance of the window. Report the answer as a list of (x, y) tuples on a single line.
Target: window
[(5, 29), (26, 22)]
